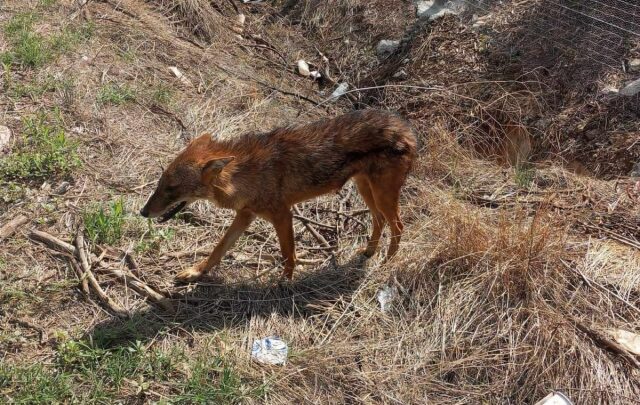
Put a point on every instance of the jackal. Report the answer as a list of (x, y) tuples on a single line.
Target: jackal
[(265, 174)]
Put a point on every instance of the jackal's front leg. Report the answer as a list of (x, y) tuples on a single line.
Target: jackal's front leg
[(240, 223)]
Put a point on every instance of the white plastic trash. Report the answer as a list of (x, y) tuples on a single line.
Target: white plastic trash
[(386, 296), (303, 68), (555, 398), (270, 350), (340, 90)]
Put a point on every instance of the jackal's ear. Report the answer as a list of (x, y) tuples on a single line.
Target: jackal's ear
[(214, 166)]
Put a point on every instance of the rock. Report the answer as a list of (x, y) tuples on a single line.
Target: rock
[(634, 65), (635, 171), (62, 188), (631, 89), (303, 68), (386, 47), (400, 75), (438, 8), (422, 7), (5, 138)]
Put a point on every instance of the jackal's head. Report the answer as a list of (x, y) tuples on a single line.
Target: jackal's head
[(191, 176)]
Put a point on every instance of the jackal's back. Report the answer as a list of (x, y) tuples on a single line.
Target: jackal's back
[(305, 160)]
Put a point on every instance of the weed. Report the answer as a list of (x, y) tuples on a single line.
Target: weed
[(212, 381), (153, 238), (105, 226), (45, 150), (116, 94), (128, 54), (524, 175), (27, 47), (35, 384), (39, 87), (12, 192), (162, 95), (31, 49)]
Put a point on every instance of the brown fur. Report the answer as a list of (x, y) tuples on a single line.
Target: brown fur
[(265, 174)]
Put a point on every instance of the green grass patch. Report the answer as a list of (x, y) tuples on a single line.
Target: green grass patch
[(31, 49), (35, 385), (116, 94), (44, 151), (162, 95), (153, 238), (105, 224), (37, 88), (524, 175), (83, 372)]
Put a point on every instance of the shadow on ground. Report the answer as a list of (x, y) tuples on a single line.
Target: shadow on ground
[(211, 307)]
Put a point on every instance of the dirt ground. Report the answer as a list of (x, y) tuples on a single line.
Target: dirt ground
[(520, 261)]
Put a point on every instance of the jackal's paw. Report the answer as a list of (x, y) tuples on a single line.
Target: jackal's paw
[(190, 274), (366, 252)]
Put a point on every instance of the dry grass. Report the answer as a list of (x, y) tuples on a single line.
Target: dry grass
[(508, 278)]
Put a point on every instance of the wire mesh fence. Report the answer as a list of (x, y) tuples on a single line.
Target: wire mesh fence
[(603, 31)]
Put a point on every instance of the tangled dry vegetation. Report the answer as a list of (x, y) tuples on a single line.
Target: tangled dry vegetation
[(513, 273)]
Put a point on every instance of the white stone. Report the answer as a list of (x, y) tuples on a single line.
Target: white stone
[(438, 8), (422, 7), (386, 47), (634, 65), (5, 138), (631, 89)]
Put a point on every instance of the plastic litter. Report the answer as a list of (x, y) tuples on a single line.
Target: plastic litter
[(555, 398), (386, 296), (303, 68), (340, 90), (270, 350)]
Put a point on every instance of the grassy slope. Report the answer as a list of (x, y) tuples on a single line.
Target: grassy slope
[(493, 301)]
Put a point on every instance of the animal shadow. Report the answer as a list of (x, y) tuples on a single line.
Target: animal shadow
[(211, 307)]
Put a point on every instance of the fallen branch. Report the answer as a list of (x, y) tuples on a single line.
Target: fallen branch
[(311, 221), (52, 242), (141, 288), (84, 284), (311, 229), (607, 343), (106, 300), (10, 227)]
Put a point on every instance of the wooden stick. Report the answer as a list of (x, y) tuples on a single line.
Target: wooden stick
[(311, 229), (52, 242), (607, 343), (10, 227), (141, 288), (82, 256), (311, 221), (84, 284)]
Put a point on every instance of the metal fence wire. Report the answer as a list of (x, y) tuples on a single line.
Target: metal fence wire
[(603, 31)]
